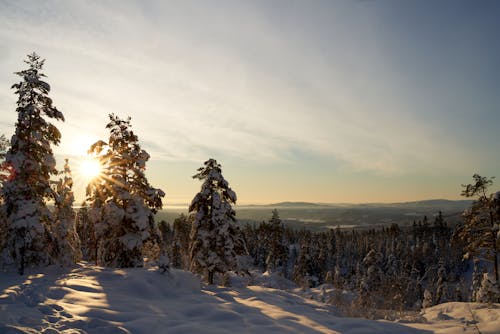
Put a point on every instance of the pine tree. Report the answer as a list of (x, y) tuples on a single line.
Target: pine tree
[(182, 229), (31, 163), (481, 223), (371, 280), (278, 252), (413, 293), (427, 302), (215, 240), (303, 272), (4, 144), (86, 233), (66, 243), (122, 201), (4, 170), (488, 292), (442, 288)]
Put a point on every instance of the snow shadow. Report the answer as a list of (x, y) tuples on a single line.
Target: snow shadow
[(90, 299), (31, 303)]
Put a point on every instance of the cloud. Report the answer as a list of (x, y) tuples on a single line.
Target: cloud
[(244, 82)]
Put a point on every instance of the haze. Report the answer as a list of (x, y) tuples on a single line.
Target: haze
[(324, 101)]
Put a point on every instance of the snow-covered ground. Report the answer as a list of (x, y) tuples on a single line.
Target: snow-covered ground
[(90, 299)]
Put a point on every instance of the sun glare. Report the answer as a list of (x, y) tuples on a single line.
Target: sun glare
[(90, 168)]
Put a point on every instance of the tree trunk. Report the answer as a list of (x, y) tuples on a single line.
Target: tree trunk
[(210, 277)]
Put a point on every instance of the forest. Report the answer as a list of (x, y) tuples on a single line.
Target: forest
[(396, 267)]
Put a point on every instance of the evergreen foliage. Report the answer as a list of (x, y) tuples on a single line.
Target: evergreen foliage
[(122, 201), (86, 233), (4, 144), (481, 223), (388, 268), (65, 247), (488, 292), (278, 252), (180, 242), (215, 241), (4, 170), (30, 162)]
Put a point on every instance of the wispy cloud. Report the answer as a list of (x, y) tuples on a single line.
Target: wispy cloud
[(255, 82)]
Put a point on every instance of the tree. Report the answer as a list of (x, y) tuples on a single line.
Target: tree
[(371, 281), (427, 302), (31, 163), (180, 244), (481, 222), (122, 201), (4, 170), (66, 243), (215, 241), (277, 250), (488, 292), (441, 285), (86, 233), (4, 144)]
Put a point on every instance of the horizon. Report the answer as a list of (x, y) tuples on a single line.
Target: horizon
[(326, 102), (277, 204)]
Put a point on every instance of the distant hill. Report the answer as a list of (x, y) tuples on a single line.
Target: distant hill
[(296, 204), (321, 216), (423, 203), (435, 202)]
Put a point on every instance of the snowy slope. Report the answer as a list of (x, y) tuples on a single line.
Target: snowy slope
[(462, 318), (90, 299)]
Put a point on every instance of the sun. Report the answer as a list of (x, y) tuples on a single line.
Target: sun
[(90, 168)]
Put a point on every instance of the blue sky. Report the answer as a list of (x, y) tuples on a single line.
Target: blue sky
[(323, 101)]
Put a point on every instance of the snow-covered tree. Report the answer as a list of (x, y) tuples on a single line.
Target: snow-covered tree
[(66, 243), (371, 279), (303, 271), (488, 292), (427, 301), (180, 244), (278, 252), (442, 288), (122, 201), (4, 144), (4, 170), (481, 223), (31, 163), (85, 230), (215, 240)]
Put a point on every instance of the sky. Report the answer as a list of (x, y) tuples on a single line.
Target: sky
[(318, 101)]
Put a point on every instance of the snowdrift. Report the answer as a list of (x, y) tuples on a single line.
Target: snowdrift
[(91, 299)]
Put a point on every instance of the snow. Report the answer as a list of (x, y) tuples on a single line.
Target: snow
[(92, 299), (455, 317)]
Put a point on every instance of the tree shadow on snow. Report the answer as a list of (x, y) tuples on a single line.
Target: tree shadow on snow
[(91, 299), (293, 314)]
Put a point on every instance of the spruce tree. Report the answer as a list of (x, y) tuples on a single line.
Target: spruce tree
[(481, 223), (215, 240), (427, 301), (180, 245), (488, 292), (31, 163), (442, 288), (122, 201), (278, 252), (4, 170), (4, 144), (66, 243), (86, 233)]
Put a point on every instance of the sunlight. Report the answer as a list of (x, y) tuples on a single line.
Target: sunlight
[(90, 168), (79, 144)]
